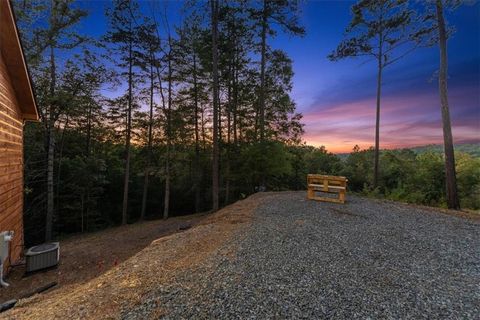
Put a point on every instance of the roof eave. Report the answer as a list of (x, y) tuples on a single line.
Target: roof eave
[(15, 60)]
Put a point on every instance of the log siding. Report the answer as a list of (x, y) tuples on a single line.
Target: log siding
[(11, 164)]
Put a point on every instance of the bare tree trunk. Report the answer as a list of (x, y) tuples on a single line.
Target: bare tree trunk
[(127, 142), (149, 147), (197, 138), (235, 98), (145, 192), (87, 213), (50, 152), (262, 70), (50, 161), (166, 112), (262, 89), (88, 151), (204, 132), (166, 207), (82, 204), (59, 167), (89, 129), (377, 127), (451, 180), (216, 151), (234, 113), (377, 121), (219, 117), (229, 129)]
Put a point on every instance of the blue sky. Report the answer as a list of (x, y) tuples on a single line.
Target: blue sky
[(337, 98)]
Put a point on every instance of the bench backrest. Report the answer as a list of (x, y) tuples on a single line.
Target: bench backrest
[(332, 180)]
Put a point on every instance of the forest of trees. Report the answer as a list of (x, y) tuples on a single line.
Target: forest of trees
[(201, 102), (154, 119)]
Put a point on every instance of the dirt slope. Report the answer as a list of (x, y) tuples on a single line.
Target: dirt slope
[(79, 263), (125, 284)]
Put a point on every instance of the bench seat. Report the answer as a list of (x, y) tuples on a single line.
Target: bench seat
[(328, 186)]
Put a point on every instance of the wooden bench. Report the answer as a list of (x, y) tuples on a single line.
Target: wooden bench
[(328, 184)]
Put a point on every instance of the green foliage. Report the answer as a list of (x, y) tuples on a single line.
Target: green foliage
[(468, 180), (472, 149), (358, 168), (385, 30), (270, 160), (429, 178), (307, 159), (414, 177), (82, 185)]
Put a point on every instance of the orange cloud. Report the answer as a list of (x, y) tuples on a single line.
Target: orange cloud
[(405, 121)]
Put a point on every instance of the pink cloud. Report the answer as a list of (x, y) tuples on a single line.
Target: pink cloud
[(406, 121)]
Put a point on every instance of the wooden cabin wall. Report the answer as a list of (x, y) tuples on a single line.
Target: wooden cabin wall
[(11, 164)]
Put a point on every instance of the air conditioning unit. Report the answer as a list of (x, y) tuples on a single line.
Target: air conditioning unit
[(43, 256)]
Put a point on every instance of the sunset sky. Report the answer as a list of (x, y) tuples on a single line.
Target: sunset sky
[(337, 99)]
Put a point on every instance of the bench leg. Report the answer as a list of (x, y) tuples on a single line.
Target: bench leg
[(310, 193)]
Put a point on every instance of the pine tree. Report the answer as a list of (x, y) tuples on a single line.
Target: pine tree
[(284, 14), (123, 28), (167, 59), (146, 55), (451, 180), (43, 43), (191, 74), (383, 30), (435, 32), (215, 98)]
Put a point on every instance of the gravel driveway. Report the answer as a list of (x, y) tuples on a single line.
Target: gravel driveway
[(306, 259)]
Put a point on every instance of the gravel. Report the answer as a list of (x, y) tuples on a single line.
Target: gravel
[(304, 259)]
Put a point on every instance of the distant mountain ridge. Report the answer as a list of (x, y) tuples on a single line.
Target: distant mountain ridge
[(472, 149)]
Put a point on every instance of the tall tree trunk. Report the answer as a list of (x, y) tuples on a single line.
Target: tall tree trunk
[(89, 129), (166, 207), (87, 211), (166, 112), (50, 162), (50, 150), (262, 90), (197, 138), (229, 129), (216, 151), (204, 130), (235, 97), (262, 70), (82, 205), (59, 167), (88, 151), (451, 180), (127, 142), (149, 147), (377, 121)]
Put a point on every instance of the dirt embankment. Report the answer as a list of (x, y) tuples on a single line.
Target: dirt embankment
[(87, 256), (104, 272)]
